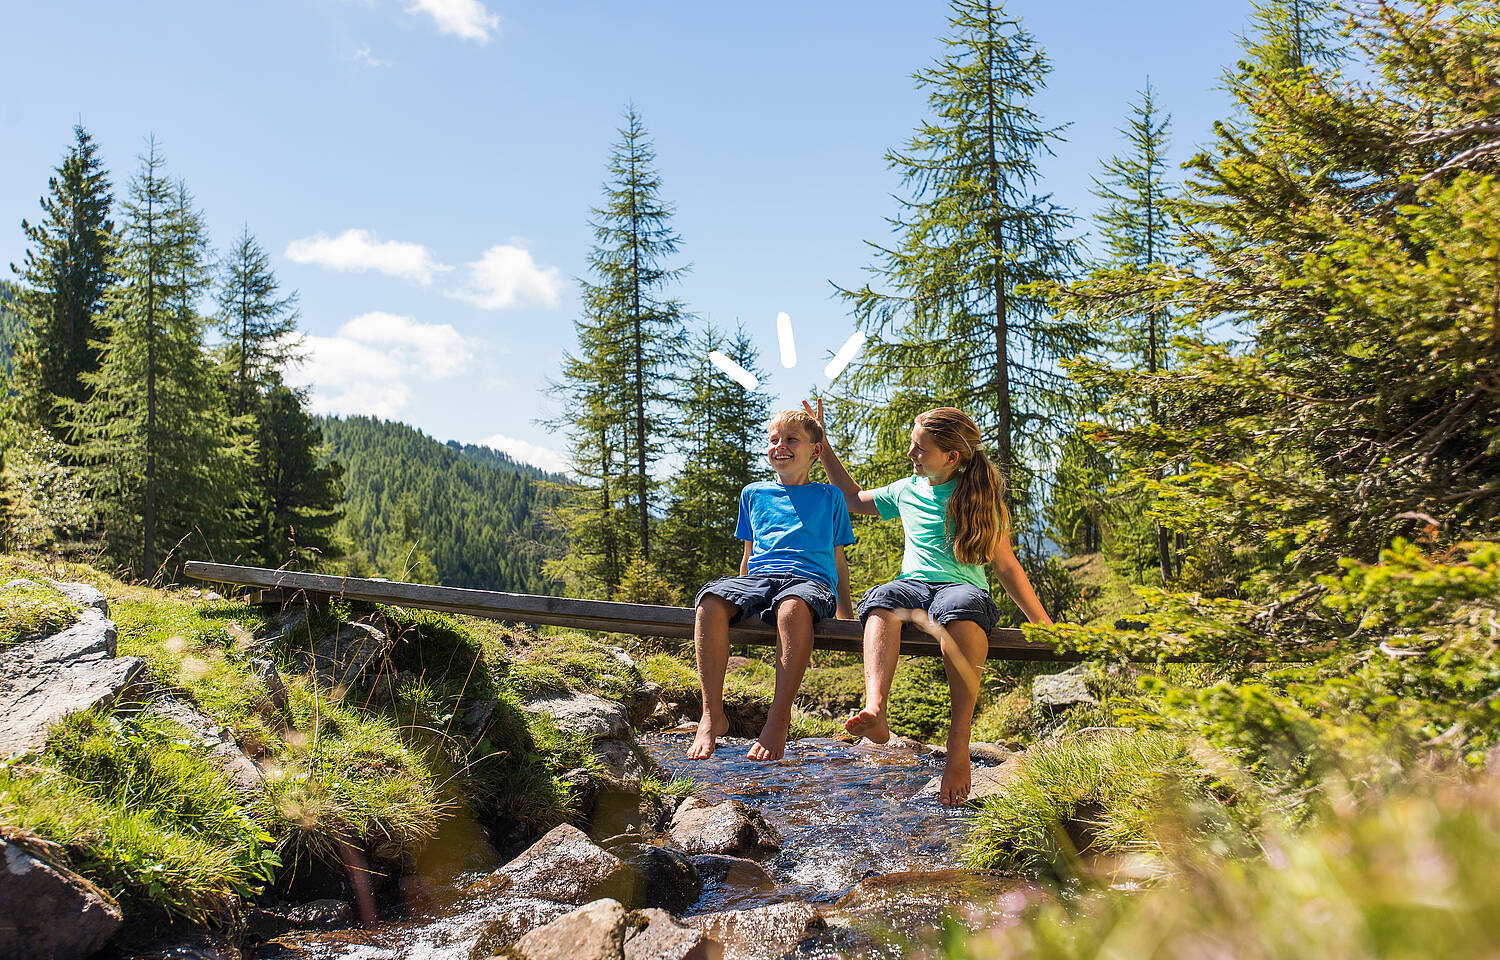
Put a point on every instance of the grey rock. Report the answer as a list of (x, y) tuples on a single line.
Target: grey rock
[(329, 914), (342, 658), (664, 938), (291, 628), (510, 918), (84, 595), (1064, 689), (265, 668), (990, 753), (620, 759), (662, 877), (19, 583), (643, 703), (728, 827), (762, 933), (595, 931), (211, 596), (223, 751), (47, 910), (584, 715), (731, 881), (565, 866), (42, 681)]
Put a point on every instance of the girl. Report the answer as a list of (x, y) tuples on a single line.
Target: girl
[(955, 521)]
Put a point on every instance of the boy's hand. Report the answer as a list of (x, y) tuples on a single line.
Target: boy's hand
[(818, 415)]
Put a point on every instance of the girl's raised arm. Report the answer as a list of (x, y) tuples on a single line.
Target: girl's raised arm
[(1013, 578), (858, 499)]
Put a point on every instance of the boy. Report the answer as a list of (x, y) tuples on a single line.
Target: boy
[(794, 533)]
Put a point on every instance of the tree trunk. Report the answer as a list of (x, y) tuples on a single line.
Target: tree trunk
[(997, 239)]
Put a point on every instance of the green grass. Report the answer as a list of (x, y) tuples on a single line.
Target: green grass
[(1086, 796), (142, 812), (33, 611)]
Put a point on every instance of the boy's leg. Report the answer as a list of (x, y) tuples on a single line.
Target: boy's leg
[(963, 659), (794, 644), (882, 645), (711, 645)]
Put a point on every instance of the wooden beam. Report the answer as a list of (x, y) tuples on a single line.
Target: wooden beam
[(638, 619)]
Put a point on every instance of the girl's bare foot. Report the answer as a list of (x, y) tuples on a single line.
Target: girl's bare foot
[(709, 732), (870, 725), (954, 787)]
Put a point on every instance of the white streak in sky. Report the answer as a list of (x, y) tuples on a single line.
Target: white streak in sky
[(735, 372), (788, 346), (846, 353)]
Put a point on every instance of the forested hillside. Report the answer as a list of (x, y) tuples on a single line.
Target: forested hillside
[(490, 457), (11, 324), (424, 510)]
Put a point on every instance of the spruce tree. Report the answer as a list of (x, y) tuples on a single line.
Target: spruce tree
[(65, 275), (958, 320), (256, 323), (723, 440), (1288, 35), (153, 432), (298, 493)]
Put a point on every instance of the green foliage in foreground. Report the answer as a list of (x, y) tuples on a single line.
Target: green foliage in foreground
[(1409, 874)]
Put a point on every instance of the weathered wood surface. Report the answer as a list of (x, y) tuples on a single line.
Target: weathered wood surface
[(638, 619)]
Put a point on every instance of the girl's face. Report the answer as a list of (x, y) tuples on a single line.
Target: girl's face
[(927, 460)]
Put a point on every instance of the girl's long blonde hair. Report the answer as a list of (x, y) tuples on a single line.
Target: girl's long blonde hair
[(976, 510)]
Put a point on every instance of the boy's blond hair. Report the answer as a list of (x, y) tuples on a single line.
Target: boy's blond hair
[(801, 418)]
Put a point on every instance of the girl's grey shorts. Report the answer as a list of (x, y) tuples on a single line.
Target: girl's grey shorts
[(946, 602)]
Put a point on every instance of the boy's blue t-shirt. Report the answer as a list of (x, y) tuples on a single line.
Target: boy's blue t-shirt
[(793, 530)]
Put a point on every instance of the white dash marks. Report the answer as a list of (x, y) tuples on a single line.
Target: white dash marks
[(788, 345), (733, 370), (846, 353)]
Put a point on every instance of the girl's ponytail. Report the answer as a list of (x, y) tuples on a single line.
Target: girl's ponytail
[(976, 510)]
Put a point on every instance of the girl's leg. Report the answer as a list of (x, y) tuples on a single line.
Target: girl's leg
[(711, 644), (794, 645), (882, 645), (963, 659)]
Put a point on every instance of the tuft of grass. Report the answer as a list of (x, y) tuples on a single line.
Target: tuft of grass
[(806, 724), (32, 612), (573, 662), (1084, 796), (144, 813)]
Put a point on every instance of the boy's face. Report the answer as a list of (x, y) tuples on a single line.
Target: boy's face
[(790, 451)]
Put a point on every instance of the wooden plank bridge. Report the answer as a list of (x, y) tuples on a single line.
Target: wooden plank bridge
[(638, 619)]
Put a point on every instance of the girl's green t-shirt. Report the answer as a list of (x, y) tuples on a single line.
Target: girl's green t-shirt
[(923, 509)]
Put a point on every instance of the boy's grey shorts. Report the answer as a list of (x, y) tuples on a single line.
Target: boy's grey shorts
[(946, 602), (757, 595)]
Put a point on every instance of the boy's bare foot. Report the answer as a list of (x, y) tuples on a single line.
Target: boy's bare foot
[(771, 744), (953, 789), (870, 725), (707, 739)]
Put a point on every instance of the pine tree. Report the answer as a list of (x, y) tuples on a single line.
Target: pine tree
[(1136, 229), (618, 387), (1288, 35), (299, 494), (153, 431), (257, 325), (722, 439), (65, 275), (961, 323)]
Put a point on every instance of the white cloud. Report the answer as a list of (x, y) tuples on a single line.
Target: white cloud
[(358, 251), (367, 367), (467, 19), (364, 57), (506, 276), (537, 456)]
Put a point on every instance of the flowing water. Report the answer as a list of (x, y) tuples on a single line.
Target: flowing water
[(846, 813)]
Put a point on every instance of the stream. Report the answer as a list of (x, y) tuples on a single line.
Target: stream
[(846, 813)]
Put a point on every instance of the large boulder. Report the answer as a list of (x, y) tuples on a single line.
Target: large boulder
[(731, 881), (42, 681), (662, 877), (47, 910), (1058, 690), (565, 866), (86, 596), (762, 933), (728, 827), (595, 931), (341, 659), (657, 935)]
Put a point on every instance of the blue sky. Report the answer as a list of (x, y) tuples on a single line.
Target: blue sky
[(421, 171)]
